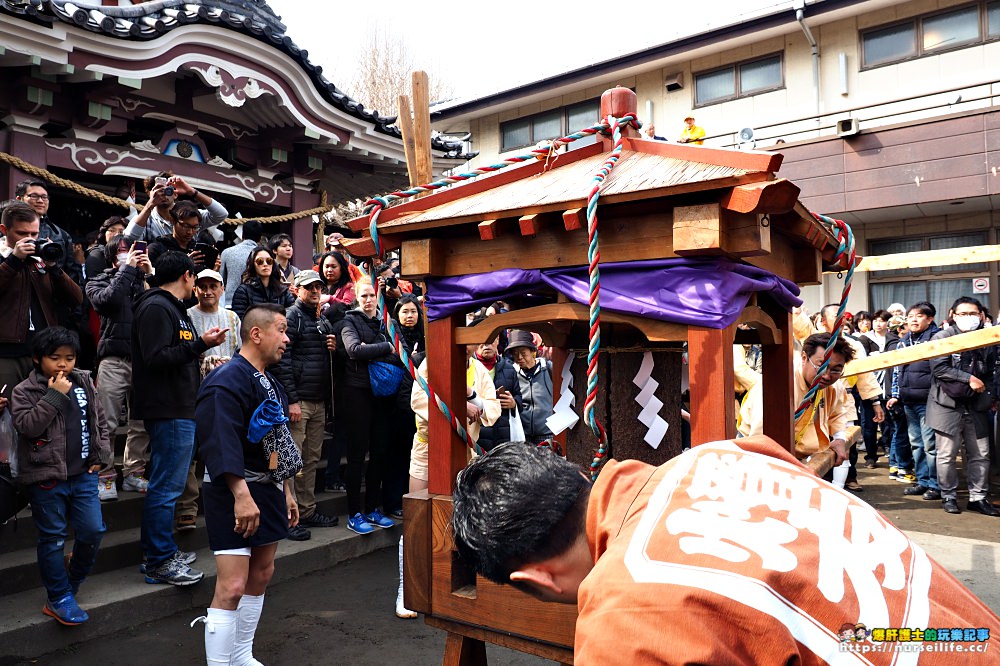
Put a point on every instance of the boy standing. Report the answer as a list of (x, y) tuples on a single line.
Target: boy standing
[(63, 443)]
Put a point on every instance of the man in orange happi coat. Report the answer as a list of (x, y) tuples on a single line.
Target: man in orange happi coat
[(731, 553)]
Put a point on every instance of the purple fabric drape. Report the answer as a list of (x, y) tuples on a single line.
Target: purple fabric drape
[(707, 292)]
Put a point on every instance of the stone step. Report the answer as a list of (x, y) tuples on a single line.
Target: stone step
[(120, 547), (120, 598)]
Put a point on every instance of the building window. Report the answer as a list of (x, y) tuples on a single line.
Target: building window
[(929, 34), (939, 285), (550, 125), (738, 80)]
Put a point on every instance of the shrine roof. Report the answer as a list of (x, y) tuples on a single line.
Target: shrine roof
[(148, 21)]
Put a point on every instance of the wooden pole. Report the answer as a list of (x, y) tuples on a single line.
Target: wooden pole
[(951, 256), (422, 128), (984, 337), (776, 373), (404, 121)]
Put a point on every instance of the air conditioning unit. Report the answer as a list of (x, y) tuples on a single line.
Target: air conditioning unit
[(848, 127), (674, 81)]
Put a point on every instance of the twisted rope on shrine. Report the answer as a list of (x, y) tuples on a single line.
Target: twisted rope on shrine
[(594, 272), (845, 238), (58, 181), (375, 205)]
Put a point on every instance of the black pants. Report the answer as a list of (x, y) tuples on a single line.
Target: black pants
[(367, 419), (397, 463)]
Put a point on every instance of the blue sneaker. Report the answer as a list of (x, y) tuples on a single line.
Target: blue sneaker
[(359, 524), (376, 518), (66, 611)]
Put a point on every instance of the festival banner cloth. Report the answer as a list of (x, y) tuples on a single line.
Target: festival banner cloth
[(709, 292)]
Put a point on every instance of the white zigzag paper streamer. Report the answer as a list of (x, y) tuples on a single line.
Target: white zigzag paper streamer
[(650, 414), (563, 417)]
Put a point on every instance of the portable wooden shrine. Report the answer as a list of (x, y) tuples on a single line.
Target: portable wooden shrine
[(693, 242)]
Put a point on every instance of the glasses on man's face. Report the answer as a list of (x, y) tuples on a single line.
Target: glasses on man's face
[(263, 261), (189, 227), (37, 197), (829, 371)]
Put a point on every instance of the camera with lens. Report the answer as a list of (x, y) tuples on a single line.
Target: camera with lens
[(50, 250), (391, 282)]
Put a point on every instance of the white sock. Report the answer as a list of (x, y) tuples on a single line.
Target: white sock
[(220, 633), (249, 611), (401, 610)]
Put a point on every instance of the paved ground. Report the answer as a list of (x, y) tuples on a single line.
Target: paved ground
[(344, 615), (341, 616)]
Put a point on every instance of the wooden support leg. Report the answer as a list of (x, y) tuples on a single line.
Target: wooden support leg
[(710, 370), (461, 650), (776, 371), (446, 375)]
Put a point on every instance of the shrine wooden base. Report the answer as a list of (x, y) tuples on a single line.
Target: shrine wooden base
[(473, 610)]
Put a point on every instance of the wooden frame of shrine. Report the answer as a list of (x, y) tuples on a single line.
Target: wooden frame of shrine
[(661, 201)]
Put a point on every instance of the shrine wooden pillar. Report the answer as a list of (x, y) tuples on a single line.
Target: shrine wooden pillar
[(776, 375), (446, 374), (710, 370)]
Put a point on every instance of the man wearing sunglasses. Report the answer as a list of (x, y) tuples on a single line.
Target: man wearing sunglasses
[(823, 425)]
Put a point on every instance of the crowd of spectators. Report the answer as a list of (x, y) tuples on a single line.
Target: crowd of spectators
[(168, 305)]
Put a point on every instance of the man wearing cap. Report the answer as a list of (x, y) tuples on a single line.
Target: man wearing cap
[(692, 133), (304, 373), (534, 387), (207, 314)]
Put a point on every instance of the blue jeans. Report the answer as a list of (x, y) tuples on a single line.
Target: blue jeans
[(71, 502), (900, 455), (923, 446), (171, 449)]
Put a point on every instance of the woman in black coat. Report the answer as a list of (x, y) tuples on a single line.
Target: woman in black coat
[(365, 415), (404, 424), (260, 284)]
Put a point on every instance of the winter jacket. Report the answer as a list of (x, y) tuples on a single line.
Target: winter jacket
[(37, 411), (504, 375), (363, 341), (534, 401), (871, 347), (304, 369), (51, 286), (165, 351), (112, 293), (413, 341), (944, 413), (911, 383), (254, 292)]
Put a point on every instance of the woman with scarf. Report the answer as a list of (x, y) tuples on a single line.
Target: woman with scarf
[(397, 472), (337, 284), (260, 283)]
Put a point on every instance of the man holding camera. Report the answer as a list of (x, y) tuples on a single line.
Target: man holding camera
[(35, 194), (155, 219), (184, 237), (30, 290)]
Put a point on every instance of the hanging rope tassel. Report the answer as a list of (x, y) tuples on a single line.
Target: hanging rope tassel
[(594, 272), (845, 238)]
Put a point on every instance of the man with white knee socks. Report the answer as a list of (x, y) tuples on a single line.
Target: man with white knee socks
[(240, 409)]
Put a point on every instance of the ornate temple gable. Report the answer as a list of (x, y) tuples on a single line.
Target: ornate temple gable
[(151, 21)]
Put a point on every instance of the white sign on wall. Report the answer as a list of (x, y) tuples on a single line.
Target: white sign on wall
[(981, 286)]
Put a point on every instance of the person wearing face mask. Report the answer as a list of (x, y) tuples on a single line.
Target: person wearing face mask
[(112, 293), (959, 410)]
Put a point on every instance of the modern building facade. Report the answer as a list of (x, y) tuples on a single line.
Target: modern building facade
[(885, 112)]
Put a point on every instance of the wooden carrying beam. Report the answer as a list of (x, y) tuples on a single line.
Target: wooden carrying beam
[(957, 343), (948, 257)]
